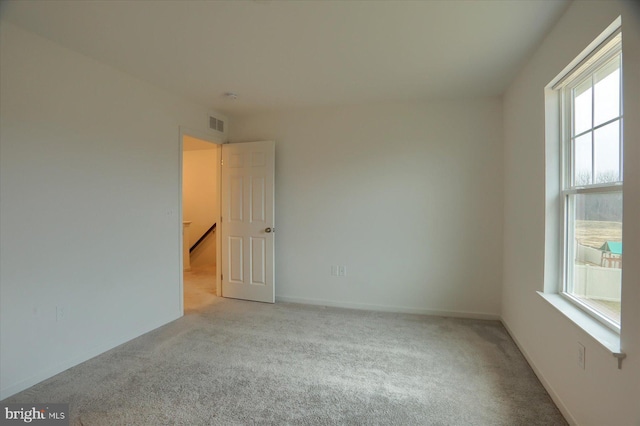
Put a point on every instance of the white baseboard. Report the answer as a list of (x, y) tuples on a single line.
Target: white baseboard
[(554, 396), (57, 368), (388, 308)]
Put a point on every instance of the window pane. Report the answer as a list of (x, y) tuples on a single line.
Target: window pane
[(582, 160), (607, 153), (607, 92), (595, 269), (582, 107)]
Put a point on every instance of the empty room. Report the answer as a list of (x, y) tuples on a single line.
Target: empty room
[(320, 212)]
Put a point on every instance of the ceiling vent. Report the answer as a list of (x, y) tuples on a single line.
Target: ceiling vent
[(218, 124)]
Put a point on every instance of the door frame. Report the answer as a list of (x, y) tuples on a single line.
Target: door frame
[(207, 137)]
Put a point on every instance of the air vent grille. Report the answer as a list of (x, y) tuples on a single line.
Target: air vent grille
[(218, 124)]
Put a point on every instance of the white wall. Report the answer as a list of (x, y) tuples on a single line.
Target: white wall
[(407, 195), (200, 199), (89, 183), (601, 394)]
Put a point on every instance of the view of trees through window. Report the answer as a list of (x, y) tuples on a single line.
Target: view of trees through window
[(593, 195)]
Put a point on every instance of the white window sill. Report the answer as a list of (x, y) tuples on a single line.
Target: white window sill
[(607, 338)]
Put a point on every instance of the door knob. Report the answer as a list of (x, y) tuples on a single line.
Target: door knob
[(269, 230)]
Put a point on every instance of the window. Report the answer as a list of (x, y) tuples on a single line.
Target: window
[(591, 187)]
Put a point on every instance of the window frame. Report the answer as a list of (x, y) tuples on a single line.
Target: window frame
[(598, 58)]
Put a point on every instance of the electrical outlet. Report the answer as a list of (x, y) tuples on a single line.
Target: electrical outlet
[(581, 355), (334, 270), (342, 270)]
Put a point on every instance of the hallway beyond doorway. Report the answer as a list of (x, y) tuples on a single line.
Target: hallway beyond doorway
[(199, 288)]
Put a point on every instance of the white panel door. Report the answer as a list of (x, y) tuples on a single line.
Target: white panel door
[(248, 221)]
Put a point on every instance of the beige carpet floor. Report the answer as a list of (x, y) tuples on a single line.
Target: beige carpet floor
[(233, 362)]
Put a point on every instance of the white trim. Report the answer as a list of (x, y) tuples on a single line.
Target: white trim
[(598, 55), (595, 189), (609, 32), (603, 335), (219, 226), (208, 137), (199, 134), (388, 308), (550, 390), (599, 126), (554, 219), (180, 221), (592, 311)]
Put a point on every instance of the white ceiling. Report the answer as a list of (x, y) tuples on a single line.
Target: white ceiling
[(287, 54)]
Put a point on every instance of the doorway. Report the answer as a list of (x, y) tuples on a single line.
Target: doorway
[(200, 213)]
